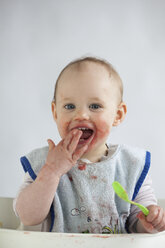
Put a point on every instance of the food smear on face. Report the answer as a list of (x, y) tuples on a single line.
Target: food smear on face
[(102, 132)]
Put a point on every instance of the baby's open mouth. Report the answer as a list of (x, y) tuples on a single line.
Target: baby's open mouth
[(87, 133)]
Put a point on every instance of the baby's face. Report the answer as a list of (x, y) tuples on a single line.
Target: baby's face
[(87, 99)]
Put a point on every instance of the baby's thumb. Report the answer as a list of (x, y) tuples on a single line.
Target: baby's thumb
[(51, 144)]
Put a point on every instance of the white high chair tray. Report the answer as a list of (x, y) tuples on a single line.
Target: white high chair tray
[(10, 238)]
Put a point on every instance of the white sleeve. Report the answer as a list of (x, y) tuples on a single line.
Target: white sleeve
[(145, 197), (26, 181)]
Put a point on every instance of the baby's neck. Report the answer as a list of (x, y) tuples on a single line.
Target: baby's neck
[(95, 157)]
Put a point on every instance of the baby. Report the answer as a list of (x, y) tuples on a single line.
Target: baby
[(68, 186)]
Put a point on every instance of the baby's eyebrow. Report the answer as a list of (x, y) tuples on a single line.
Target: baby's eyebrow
[(66, 99), (92, 99), (97, 100)]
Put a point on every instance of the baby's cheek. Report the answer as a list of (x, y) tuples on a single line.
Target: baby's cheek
[(63, 128), (102, 130)]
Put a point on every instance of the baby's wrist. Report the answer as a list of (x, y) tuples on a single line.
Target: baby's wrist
[(47, 172)]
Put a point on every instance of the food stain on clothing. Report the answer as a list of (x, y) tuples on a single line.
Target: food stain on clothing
[(70, 178), (82, 166), (93, 177)]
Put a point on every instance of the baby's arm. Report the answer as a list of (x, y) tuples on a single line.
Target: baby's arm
[(146, 197), (34, 201)]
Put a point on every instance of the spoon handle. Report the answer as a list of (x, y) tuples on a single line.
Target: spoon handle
[(142, 208)]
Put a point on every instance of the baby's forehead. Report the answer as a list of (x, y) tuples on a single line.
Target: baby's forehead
[(90, 67), (87, 66), (97, 68)]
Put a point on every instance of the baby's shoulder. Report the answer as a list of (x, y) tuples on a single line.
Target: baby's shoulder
[(38, 153), (34, 160), (125, 151)]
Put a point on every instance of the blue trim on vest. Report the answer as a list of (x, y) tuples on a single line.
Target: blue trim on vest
[(143, 175), (27, 167), (52, 215)]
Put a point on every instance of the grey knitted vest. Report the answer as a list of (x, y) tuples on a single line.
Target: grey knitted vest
[(85, 201)]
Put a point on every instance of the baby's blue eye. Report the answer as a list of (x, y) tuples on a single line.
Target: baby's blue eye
[(95, 106), (69, 106)]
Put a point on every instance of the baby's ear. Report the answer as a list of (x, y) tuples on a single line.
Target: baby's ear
[(121, 113), (54, 112)]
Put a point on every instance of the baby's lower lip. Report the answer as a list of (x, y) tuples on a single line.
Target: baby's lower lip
[(82, 141)]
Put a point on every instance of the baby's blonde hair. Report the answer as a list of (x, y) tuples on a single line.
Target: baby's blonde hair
[(106, 64)]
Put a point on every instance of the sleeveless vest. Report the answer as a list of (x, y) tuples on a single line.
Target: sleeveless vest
[(85, 201)]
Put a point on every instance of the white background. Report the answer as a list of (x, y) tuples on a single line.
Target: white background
[(38, 38)]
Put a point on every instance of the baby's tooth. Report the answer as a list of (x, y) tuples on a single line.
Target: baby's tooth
[(82, 128)]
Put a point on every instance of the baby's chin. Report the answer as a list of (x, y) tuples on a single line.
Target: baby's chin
[(96, 151)]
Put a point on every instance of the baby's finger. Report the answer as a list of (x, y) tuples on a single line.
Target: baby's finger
[(79, 152), (163, 225), (153, 213), (160, 221), (162, 229), (74, 142), (51, 144), (68, 139), (158, 218)]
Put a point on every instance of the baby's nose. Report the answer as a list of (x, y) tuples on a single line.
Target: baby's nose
[(81, 115)]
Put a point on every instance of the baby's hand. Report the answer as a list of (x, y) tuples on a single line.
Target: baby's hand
[(154, 221), (62, 158)]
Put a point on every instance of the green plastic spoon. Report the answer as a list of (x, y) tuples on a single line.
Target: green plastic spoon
[(120, 191)]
